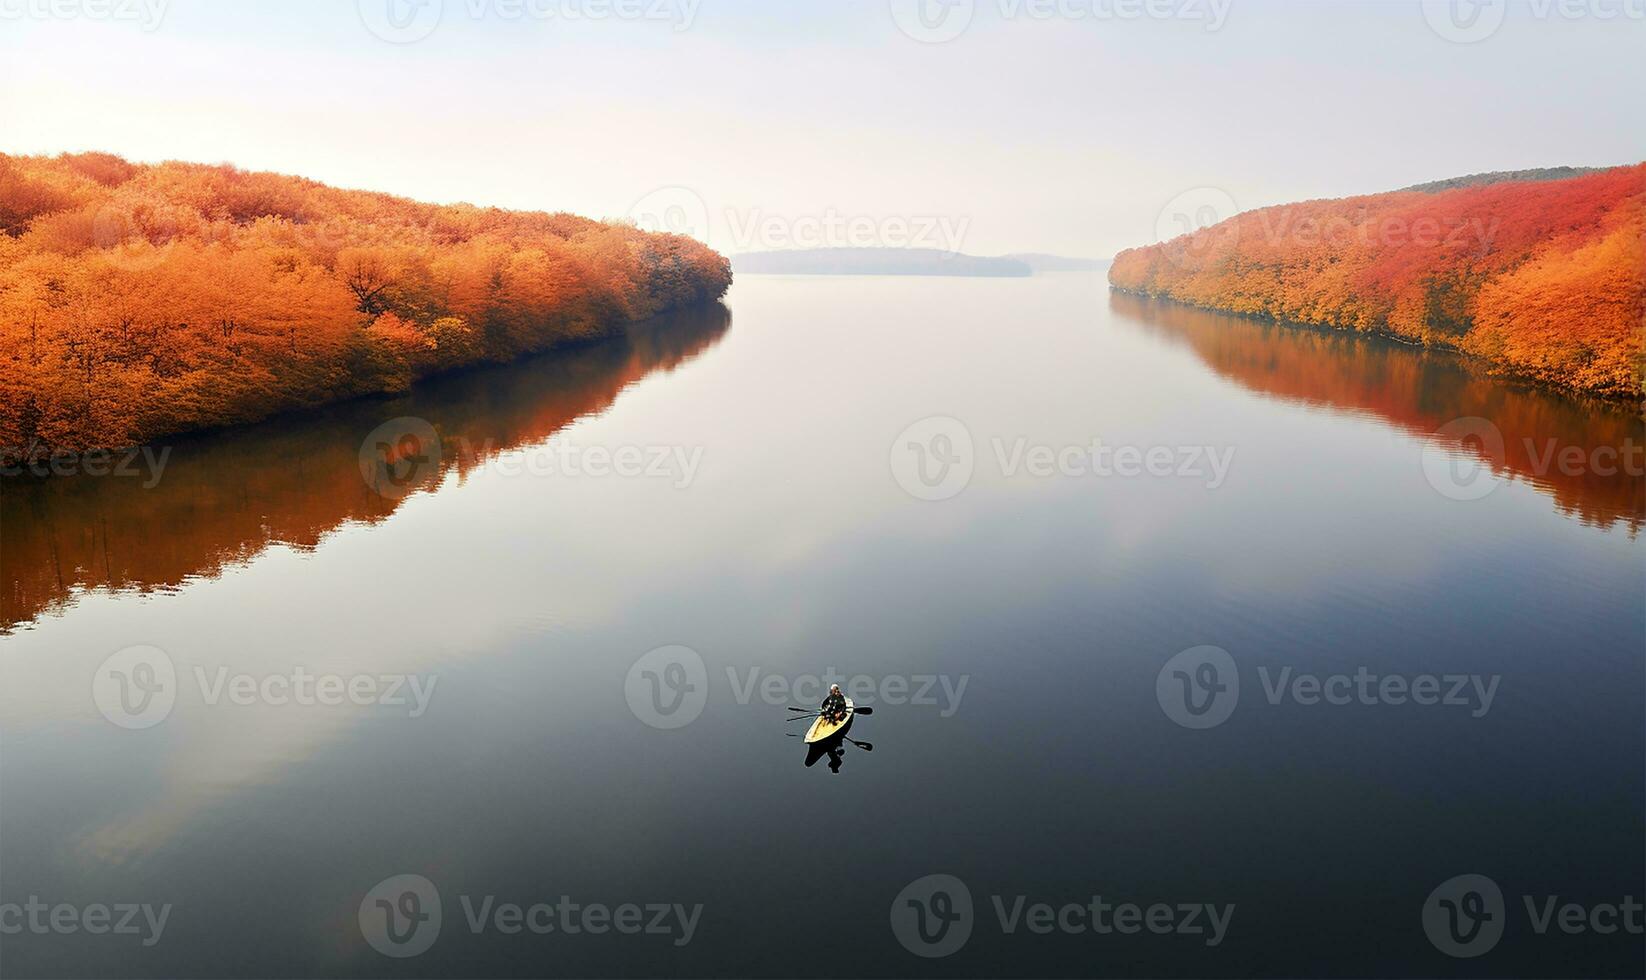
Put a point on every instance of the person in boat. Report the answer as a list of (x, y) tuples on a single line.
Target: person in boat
[(834, 706)]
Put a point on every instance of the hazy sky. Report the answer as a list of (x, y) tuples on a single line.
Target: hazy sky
[(989, 125)]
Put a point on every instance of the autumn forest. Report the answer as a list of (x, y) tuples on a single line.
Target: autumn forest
[(1543, 279), (138, 301)]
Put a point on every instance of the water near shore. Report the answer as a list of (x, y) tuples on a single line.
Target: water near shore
[(1156, 608)]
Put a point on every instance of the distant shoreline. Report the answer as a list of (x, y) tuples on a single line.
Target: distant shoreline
[(904, 262)]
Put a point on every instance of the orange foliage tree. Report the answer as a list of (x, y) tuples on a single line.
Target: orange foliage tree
[(138, 301), (1544, 279)]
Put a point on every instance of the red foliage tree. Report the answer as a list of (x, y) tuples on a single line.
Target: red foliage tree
[(1541, 279)]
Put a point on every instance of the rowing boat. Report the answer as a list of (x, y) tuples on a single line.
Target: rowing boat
[(822, 729)]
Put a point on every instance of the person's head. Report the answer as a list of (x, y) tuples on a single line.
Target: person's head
[(834, 688)]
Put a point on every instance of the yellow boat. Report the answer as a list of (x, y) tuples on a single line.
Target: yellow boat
[(822, 730)]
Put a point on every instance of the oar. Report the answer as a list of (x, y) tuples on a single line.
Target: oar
[(801, 717), (860, 709)]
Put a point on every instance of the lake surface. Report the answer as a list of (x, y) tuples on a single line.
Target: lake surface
[(560, 606)]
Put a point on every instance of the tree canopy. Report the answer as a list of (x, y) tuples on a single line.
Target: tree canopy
[(1543, 279), (138, 301)]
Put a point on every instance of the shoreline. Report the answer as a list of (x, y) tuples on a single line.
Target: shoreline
[(16, 466), (1491, 369)]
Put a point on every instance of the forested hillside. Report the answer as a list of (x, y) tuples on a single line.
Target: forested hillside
[(1544, 279), (137, 301)]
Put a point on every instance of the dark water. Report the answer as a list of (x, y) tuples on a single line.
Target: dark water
[(1013, 639)]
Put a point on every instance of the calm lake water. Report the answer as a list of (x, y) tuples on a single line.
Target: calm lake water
[(563, 637)]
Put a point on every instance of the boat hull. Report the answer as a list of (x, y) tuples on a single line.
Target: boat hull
[(822, 731)]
